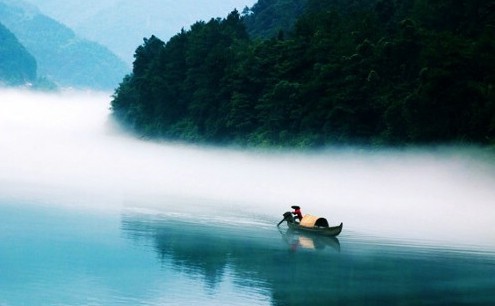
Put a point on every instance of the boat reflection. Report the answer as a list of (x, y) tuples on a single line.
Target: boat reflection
[(303, 269), (299, 240), (211, 253)]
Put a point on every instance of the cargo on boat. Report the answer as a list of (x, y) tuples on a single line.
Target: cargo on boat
[(311, 224)]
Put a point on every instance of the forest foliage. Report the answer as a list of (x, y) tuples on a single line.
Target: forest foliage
[(370, 72)]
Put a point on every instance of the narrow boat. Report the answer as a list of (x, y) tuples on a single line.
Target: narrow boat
[(312, 224), (330, 231)]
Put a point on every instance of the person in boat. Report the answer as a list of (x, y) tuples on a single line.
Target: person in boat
[(297, 212)]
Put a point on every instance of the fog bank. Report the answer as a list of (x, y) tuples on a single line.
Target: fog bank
[(63, 149)]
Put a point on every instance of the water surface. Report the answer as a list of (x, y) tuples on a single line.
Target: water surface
[(92, 216), (53, 256)]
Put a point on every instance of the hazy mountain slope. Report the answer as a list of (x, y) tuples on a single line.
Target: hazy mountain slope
[(62, 56), (72, 13), (121, 25), (17, 66)]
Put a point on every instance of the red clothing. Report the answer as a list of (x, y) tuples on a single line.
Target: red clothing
[(298, 213)]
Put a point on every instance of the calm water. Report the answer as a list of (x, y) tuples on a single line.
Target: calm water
[(65, 257), (92, 216)]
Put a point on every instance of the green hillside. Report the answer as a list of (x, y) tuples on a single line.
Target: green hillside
[(369, 72), (267, 18)]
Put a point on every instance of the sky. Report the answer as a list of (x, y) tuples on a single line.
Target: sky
[(121, 25)]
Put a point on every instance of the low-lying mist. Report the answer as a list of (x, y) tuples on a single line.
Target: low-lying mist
[(64, 149)]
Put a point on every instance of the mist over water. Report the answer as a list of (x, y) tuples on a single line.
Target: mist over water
[(64, 149)]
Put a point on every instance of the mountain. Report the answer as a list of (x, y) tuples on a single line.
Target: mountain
[(17, 65), (121, 25), (368, 72), (267, 18), (62, 56)]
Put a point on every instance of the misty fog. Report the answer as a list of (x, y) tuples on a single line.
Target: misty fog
[(64, 149)]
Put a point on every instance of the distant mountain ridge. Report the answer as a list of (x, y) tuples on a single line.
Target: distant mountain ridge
[(121, 25), (62, 56), (17, 65)]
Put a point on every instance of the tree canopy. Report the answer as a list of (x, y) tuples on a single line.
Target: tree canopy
[(354, 72)]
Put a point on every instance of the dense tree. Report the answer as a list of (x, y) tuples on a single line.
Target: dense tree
[(270, 18), (367, 72)]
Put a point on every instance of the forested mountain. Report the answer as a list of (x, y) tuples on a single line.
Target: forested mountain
[(361, 72), (17, 66), (120, 25), (62, 56), (268, 18)]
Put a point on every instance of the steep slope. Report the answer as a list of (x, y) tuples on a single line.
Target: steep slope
[(267, 18), (62, 56), (17, 66), (350, 72)]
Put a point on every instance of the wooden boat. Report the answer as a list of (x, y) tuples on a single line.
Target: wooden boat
[(330, 231), (312, 224)]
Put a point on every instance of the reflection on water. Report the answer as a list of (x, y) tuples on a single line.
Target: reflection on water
[(62, 153), (62, 257), (198, 250), (297, 239), (301, 269)]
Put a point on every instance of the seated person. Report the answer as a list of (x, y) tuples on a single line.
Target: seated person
[(297, 212)]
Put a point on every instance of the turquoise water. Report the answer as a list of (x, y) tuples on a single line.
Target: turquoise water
[(92, 216), (59, 256)]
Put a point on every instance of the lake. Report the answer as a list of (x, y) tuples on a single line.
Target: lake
[(90, 215)]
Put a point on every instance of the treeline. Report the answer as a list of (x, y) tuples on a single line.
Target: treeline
[(354, 72), (268, 17)]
